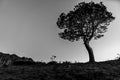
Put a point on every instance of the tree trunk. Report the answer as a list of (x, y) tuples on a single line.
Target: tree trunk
[(90, 52)]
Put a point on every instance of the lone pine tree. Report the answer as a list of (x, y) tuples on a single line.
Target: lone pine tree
[(86, 21)]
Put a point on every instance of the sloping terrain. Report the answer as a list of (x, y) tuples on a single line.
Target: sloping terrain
[(108, 70), (8, 59)]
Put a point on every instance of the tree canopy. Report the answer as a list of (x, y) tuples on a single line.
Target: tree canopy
[(85, 21)]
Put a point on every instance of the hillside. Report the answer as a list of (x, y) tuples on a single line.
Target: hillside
[(108, 70), (9, 59)]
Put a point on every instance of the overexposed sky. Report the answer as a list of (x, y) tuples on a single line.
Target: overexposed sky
[(28, 28)]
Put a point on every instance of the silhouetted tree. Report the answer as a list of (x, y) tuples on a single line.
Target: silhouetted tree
[(86, 21)]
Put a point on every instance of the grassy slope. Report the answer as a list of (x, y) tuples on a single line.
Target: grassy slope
[(109, 70)]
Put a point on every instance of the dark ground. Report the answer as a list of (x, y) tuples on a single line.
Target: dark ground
[(108, 70)]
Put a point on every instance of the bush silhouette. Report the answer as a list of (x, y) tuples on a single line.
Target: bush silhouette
[(52, 63)]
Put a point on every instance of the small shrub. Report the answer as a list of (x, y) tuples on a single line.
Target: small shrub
[(52, 58), (66, 62), (118, 57), (52, 63)]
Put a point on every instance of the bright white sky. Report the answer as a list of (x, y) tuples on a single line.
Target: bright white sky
[(28, 28)]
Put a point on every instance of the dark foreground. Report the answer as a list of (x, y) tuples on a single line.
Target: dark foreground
[(109, 70)]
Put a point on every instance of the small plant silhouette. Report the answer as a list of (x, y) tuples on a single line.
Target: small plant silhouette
[(52, 58), (52, 62), (118, 56)]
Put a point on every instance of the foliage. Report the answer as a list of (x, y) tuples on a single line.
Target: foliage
[(52, 63), (86, 21), (67, 62), (53, 57), (118, 57), (108, 70)]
